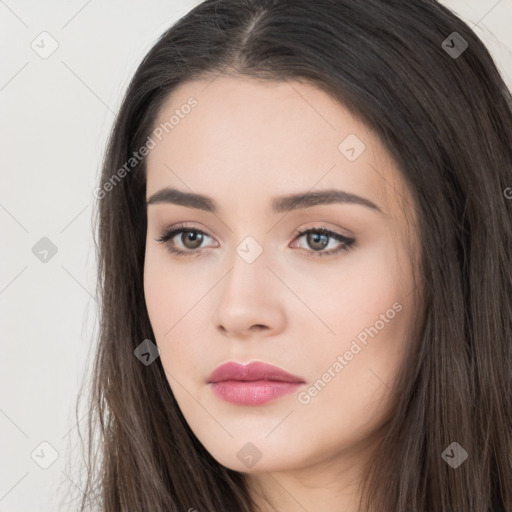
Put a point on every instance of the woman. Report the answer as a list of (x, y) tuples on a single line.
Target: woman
[(305, 252)]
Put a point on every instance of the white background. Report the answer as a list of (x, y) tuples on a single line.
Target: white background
[(55, 116)]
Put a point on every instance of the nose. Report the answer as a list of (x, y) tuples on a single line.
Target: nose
[(250, 300)]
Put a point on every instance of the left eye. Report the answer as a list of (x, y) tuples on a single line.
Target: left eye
[(317, 238)]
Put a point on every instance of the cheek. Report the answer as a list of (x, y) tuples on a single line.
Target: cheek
[(350, 385), (167, 290), (366, 286), (158, 294), (369, 308), (171, 300)]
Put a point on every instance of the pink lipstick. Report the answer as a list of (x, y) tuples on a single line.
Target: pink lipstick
[(253, 384)]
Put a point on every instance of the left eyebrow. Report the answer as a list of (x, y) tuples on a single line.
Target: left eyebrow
[(309, 199), (279, 204)]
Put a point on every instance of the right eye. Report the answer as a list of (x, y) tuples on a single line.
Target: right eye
[(190, 243)]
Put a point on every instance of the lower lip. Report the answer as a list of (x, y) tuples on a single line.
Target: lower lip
[(256, 392)]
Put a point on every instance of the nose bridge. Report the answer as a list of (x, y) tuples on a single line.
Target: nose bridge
[(249, 266), (246, 298)]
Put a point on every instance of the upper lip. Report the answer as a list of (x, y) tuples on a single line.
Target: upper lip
[(251, 372)]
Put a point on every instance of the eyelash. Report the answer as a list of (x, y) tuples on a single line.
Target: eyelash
[(346, 242), (168, 234)]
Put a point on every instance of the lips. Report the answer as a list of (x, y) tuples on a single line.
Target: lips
[(252, 372), (253, 384)]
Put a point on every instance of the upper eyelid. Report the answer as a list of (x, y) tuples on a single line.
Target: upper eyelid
[(176, 230), (345, 242)]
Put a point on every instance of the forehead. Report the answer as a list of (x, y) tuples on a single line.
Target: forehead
[(281, 136)]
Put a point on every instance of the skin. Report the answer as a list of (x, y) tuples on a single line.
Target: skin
[(245, 143)]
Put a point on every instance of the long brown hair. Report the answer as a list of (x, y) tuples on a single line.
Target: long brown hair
[(445, 115)]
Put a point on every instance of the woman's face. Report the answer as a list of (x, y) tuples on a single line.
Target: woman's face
[(332, 312)]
